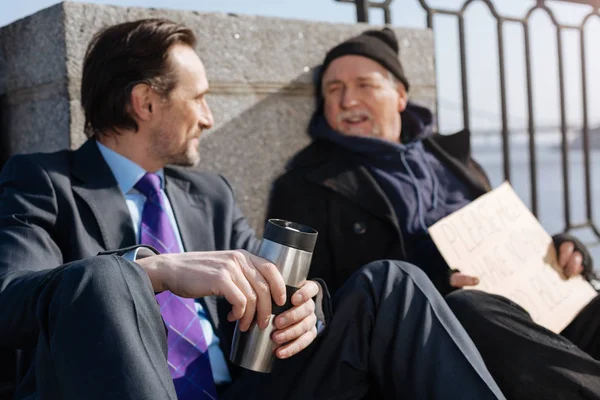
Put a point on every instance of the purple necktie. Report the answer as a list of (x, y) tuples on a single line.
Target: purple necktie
[(188, 352)]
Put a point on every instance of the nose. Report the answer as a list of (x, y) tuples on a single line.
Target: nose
[(348, 98), (206, 120)]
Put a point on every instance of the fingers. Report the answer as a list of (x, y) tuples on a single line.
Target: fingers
[(574, 265), (237, 299), (271, 274), (295, 314), (248, 283), (297, 345), (565, 251), (459, 280), (569, 259), (297, 327), (262, 302), (309, 290), (266, 281), (294, 331), (303, 304), (239, 279)]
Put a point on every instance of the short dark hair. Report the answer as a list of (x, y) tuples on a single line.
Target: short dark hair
[(120, 57)]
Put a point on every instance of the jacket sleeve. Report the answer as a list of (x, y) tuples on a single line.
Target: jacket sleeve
[(294, 199), (28, 252)]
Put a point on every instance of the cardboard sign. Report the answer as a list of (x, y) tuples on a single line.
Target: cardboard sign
[(497, 239)]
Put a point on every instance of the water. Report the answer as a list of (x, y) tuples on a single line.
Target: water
[(488, 152)]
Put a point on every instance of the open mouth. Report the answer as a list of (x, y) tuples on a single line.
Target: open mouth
[(356, 120)]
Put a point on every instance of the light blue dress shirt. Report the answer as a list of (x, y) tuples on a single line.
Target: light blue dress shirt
[(127, 173)]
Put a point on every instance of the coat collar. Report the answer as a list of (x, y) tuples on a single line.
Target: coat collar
[(331, 166), (455, 151), (96, 185)]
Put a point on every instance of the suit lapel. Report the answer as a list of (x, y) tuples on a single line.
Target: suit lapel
[(96, 185), (191, 211)]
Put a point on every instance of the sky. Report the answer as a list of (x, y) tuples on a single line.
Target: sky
[(481, 45)]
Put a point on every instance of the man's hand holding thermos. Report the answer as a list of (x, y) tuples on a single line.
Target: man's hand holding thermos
[(289, 247), (254, 286)]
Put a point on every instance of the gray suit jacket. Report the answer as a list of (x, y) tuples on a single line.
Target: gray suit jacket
[(65, 206)]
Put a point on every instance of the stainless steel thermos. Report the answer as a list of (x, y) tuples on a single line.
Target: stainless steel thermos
[(289, 246)]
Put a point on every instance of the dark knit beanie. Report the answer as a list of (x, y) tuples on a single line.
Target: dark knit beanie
[(380, 46)]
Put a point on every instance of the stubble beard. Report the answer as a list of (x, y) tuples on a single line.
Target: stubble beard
[(188, 156), (373, 132)]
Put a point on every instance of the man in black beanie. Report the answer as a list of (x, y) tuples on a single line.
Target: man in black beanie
[(376, 177)]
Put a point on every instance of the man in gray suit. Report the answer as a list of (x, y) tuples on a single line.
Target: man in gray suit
[(94, 320)]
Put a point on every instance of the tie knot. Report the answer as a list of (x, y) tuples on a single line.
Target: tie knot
[(149, 184)]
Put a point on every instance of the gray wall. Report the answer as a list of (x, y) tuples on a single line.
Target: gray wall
[(259, 68)]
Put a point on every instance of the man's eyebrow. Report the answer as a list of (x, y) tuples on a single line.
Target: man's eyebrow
[(365, 78), (201, 93), (333, 82)]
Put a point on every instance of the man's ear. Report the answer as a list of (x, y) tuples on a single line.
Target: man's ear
[(141, 102), (402, 97)]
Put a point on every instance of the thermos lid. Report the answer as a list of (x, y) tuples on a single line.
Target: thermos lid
[(291, 234)]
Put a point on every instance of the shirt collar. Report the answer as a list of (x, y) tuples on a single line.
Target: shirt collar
[(126, 172)]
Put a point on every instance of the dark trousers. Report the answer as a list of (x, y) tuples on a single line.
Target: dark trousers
[(527, 360), (392, 336)]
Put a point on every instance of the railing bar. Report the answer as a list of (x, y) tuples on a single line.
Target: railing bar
[(505, 138), (582, 225), (463, 71), (363, 6), (362, 10), (430, 20), (593, 3), (595, 229), (387, 15), (430, 26), (513, 19), (437, 98), (379, 5), (531, 122), (588, 224), (563, 131), (445, 12), (586, 130)]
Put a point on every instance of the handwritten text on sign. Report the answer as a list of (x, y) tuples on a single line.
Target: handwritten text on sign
[(497, 239)]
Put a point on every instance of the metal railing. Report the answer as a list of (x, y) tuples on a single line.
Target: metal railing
[(362, 13)]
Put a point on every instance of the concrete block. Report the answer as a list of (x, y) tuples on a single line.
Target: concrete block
[(252, 147), (32, 51)]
